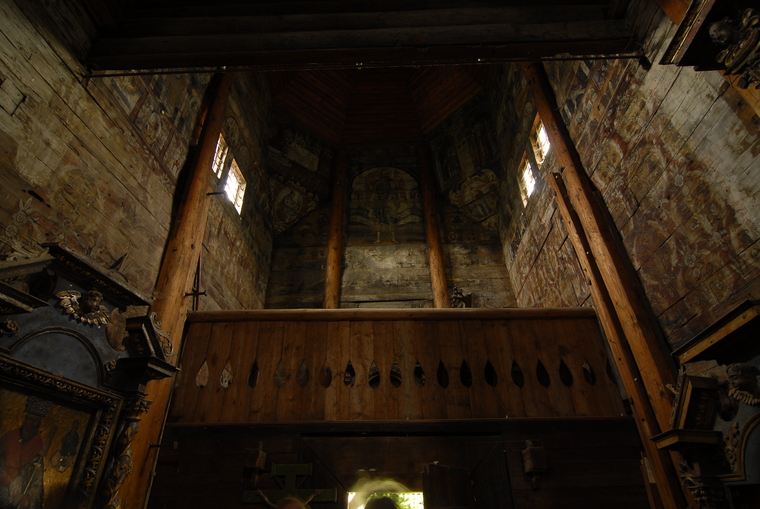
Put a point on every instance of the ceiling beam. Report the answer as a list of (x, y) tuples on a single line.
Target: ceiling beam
[(352, 48)]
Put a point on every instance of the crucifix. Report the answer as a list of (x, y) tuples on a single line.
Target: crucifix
[(290, 487)]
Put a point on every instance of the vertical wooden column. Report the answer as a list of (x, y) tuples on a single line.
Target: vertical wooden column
[(175, 279), (636, 318), (661, 463), (335, 241), (441, 298)]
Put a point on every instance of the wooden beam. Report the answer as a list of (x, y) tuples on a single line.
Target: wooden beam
[(441, 298), (335, 241), (355, 21), (404, 314), (174, 283), (636, 318), (662, 466), (410, 46)]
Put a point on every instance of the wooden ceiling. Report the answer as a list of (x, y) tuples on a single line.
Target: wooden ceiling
[(293, 34), (356, 71), (376, 105)]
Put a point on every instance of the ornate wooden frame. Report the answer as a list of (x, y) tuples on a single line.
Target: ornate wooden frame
[(103, 408)]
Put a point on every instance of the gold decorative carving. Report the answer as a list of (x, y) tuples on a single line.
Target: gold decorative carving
[(745, 383), (163, 337), (122, 463), (732, 446), (741, 37), (8, 328), (89, 311)]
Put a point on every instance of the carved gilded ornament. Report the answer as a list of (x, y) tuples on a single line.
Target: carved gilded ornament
[(741, 38), (745, 383), (89, 311), (163, 337)]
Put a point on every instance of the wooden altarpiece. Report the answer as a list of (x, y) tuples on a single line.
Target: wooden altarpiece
[(75, 356)]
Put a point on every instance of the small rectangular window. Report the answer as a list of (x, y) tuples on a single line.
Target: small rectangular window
[(527, 179), (235, 186), (220, 157), (539, 139)]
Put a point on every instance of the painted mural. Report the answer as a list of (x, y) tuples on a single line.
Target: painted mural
[(478, 198), (40, 446), (385, 208)]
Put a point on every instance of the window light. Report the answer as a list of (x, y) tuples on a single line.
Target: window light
[(220, 157), (540, 141), (528, 181), (235, 186)]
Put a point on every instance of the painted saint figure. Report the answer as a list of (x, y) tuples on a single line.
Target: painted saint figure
[(21, 459)]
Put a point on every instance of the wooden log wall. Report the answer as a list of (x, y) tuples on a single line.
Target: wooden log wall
[(295, 365), (592, 462)]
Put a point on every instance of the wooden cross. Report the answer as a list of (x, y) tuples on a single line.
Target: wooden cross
[(289, 487)]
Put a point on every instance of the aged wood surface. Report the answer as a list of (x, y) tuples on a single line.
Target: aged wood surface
[(595, 460), (441, 296), (284, 346), (335, 240), (646, 420), (642, 331), (391, 314)]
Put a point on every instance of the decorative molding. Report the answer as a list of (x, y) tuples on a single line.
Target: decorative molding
[(164, 338), (106, 406), (89, 311), (745, 383), (8, 328), (122, 463), (741, 38), (732, 446)]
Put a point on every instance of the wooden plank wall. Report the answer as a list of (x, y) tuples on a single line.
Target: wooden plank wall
[(591, 462), (320, 349)]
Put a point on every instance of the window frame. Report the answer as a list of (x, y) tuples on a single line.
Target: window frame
[(223, 165)]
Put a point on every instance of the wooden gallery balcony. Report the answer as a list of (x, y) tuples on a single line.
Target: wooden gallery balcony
[(385, 365)]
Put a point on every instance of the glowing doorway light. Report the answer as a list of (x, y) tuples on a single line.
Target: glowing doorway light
[(412, 500)]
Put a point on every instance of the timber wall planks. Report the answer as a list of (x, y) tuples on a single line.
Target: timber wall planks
[(281, 342)]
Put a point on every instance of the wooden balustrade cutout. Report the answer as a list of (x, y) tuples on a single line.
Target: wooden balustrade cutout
[(442, 375), (201, 378), (325, 376), (279, 375), (465, 375), (253, 377), (374, 376), (588, 372), (542, 374), (564, 373), (302, 378), (517, 375), (225, 379), (492, 378), (419, 375), (395, 375), (349, 376)]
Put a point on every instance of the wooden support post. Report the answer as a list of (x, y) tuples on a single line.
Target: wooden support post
[(335, 241), (441, 298), (661, 464), (175, 279), (636, 318)]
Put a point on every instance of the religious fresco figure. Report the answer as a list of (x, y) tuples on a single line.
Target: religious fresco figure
[(64, 458), (22, 455)]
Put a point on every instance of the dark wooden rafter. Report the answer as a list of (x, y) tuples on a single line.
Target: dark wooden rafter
[(301, 35)]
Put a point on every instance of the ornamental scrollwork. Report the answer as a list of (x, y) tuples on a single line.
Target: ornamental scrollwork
[(122, 463), (741, 39)]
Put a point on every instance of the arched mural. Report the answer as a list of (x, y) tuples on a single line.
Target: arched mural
[(385, 208)]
